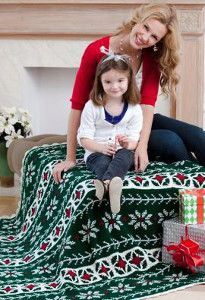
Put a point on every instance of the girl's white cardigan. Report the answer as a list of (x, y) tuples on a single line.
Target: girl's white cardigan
[(94, 126)]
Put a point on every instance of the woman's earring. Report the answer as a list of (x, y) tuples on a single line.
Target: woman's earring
[(155, 48)]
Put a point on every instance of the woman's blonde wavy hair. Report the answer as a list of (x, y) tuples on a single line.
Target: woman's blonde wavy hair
[(167, 54)]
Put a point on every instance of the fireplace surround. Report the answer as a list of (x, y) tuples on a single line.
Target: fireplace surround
[(53, 34)]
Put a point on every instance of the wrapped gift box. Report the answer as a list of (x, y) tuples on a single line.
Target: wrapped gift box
[(192, 206), (184, 245)]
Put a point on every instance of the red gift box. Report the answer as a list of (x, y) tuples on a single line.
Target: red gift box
[(187, 253), (184, 245)]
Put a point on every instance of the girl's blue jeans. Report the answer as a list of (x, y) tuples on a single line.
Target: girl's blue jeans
[(172, 140), (106, 167)]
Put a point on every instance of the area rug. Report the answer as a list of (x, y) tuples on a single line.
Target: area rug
[(64, 244)]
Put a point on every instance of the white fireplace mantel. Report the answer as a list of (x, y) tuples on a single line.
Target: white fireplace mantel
[(52, 33)]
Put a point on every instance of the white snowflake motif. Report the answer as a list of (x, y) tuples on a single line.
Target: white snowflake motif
[(89, 231), (176, 277), (140, 219), (90, 295), (11, 274), (46, 269), (150, 282), (11, 250), (112, 221), (166, 215), (121, 288), (14, 249), (51, 208), (36, 234), (30, 172), (68, 243)]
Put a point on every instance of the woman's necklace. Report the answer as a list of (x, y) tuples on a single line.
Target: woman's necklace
[(133, 54)]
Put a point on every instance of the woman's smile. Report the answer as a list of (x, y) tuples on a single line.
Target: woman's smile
[(147, 34)]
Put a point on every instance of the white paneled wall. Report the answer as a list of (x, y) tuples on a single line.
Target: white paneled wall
[(46, 93)]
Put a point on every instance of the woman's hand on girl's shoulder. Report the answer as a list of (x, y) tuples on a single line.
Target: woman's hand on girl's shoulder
[(63, 166)]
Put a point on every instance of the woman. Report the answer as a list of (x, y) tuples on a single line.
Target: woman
[(150, 38)]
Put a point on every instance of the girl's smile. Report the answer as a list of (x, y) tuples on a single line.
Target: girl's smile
[(115, 83)]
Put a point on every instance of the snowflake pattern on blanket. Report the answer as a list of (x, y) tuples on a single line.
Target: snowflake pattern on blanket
[(65, 244)]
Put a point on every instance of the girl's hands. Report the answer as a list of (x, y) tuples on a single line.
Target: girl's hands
[(108, 149), (62, 167), (122, 140)]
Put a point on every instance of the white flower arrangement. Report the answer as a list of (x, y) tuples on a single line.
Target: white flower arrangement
[(15, 123)]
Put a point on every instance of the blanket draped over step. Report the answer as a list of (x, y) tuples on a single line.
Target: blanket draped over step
[(64, 244)]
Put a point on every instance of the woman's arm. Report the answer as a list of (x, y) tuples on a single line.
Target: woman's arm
[(73, 124), (149, 92), (70, 161), (141, 156)]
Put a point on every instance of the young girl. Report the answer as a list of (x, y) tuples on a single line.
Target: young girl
[(110, 126)]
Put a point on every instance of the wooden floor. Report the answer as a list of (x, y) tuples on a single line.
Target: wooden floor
[(8, 205)]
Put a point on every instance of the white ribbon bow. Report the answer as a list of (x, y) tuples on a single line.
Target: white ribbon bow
[(112, 55)]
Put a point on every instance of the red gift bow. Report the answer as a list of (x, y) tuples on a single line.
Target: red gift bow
[(185, 254)]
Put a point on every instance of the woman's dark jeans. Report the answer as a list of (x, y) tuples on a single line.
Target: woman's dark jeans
[(172, 140), (105, 167)]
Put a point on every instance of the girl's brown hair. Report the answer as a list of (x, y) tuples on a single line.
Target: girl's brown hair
[(167, 54), (121, 64)]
